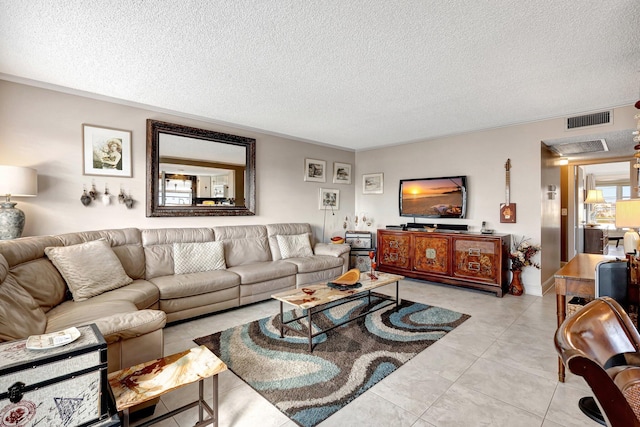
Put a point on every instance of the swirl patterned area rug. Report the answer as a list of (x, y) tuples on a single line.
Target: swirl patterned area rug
[(345, 362)]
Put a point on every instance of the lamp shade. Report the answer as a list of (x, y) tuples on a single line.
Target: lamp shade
[(628, 213), (628, 216), (18, 181), (594, 196)]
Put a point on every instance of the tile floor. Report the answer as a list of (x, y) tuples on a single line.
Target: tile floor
[(499, 368)]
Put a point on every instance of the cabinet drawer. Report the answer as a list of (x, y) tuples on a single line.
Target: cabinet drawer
[(431, 254), (477, 259)]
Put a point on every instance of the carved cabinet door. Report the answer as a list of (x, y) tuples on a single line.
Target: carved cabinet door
[(394, 250), (431, 254), (477, 259)]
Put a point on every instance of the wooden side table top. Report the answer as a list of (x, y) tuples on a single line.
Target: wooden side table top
[(143, 382), (582, 267)]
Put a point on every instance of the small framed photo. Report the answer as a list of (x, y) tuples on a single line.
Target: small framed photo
[(372, 183), (329, 199), (106, 151), (315, 170), (341, 173)]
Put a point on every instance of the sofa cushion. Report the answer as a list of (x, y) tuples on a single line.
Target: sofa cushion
[(294, 245), (20, 314), (158, 247), (246, 251), (244, 244), (124, 326), (196, 257), (263, 271), (142, 293), (126, 243), (274, 230), (184, 285), (89, 268), (315, 263), (111, 317), (33, 271)]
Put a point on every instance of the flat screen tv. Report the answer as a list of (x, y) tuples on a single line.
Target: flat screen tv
[(444, 197)]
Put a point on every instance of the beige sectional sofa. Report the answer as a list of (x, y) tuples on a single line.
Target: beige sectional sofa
[(257, 261)]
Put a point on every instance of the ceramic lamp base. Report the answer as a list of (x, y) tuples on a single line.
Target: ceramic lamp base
[(11, 221), (631, 240)]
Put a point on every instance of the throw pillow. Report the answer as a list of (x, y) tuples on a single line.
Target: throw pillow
[(196, 257), (89, 269), (294, 245)]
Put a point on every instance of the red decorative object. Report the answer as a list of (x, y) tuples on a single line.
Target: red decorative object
[(515, 287), (372, 256), (638, 104)]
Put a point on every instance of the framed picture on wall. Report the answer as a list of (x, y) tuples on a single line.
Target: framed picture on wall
[(315, 170), (341, 173), (372, 183), (329, 199), (106, 151)]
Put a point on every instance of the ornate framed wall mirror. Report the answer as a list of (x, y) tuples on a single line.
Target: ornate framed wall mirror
[(198, 172)]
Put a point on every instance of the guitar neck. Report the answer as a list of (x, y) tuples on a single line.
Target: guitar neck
[(507, 185)]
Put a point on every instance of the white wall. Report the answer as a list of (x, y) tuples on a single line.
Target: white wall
[(482, 156), (42, 129)]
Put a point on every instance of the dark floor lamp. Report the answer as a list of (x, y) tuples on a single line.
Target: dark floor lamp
[(326, 203)]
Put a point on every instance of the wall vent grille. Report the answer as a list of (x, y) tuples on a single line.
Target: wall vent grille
[(603, 117), (593, 146)]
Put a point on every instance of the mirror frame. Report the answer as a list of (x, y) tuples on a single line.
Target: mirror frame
[(154, 209)]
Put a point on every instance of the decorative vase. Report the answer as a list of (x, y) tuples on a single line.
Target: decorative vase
[(515, 287), (11, 221)]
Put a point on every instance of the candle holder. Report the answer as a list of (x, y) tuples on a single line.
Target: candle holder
[(372, 257)]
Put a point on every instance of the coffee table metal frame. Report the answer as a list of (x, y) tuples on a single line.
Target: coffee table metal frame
[(331, 304)]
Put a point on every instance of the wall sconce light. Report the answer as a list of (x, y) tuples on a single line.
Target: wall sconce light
[(563, 161), (551, 191)]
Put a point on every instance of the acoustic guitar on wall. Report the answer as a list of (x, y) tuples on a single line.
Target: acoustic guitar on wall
[(507, 210)]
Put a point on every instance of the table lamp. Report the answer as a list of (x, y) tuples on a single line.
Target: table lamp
[(628, 216), (18, 182), (594, 197)]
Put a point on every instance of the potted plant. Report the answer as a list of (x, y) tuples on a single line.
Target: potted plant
[(521, 256)]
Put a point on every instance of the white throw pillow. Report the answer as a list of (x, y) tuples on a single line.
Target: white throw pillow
[(294, 245), (89, 269), (196, 257)]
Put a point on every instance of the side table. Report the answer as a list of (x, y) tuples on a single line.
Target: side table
[(146, 381)]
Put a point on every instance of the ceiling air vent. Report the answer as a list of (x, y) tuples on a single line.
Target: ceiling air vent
[(603, 117), (580, 147)]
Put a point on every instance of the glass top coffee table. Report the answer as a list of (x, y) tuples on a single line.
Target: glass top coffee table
[(318, 297)]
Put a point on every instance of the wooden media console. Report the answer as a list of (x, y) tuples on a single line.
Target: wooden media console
[(471, 260)]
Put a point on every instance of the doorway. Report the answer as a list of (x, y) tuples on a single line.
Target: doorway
[(615, 179)]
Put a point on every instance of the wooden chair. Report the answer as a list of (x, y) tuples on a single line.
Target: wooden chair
[(601, 344)]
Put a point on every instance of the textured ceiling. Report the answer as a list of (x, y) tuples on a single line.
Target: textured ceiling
[(354, 74)]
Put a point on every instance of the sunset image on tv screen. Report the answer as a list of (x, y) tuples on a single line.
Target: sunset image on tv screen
[(432, 197)]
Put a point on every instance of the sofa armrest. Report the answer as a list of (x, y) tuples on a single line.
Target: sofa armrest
[(331, 249), (123, 326)]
